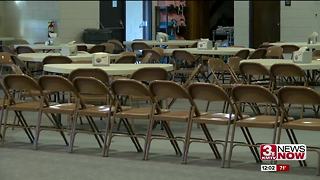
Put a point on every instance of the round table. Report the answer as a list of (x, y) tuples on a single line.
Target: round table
[(79, 58), (113, 69), (50, 47), (219, 51), (315, 64)]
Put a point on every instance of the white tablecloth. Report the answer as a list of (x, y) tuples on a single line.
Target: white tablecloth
[(219, 51), (300, 44), (113, 69), (47, 47), (80, 57), (269, 62), (170, 42)]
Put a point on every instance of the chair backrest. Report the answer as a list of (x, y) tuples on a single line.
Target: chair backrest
[(95, 73), (234, 63), (298, 95), (251, 68), (159, 50), (153, 56), (118, 45), (90, 86), (150, 74), (243, 53), (6, 58), (259, 53), (109, 47), (7, 49), (97, 48), (126, 59), (208, 92), (82, 48), (286, 70), (252, 94), (54, 83), (184, 56), (20, 82), (130, 87), (217, 65), (265, 45), (56, 60), (168, 89), (24, 49), (274, 52), (316, 54), (135, 46), (21, 66), (289, 48)]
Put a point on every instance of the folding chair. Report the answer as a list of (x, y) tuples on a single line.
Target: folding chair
[(254, 95)]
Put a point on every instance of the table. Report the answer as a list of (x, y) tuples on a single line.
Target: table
[(79, 58), (314, 65), (220, 51), (113, 69), (300, 44), (49, 47), (158, 43)]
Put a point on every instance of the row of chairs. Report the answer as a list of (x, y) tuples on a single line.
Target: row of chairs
[(160, 90)]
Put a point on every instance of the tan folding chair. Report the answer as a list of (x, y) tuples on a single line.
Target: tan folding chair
[(53, 84), (82, 48), (90, 86), (118, 46), (89, 72), (56, 60), (287, 74), (137, 46), (289, 49), (23, 83), (150, 56), (126, 59), (24, 49), (162, 90), (243, 54), (274, 52), (259, 53), (299, 95), (211, 93), (255, 73), (256, 96), (97, 48), (131, 87), (109, 47)]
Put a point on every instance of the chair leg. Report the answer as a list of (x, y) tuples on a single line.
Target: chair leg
[(5, 125), (231, 145), (210, 139), (187, 142), (171, 136), (225, 146), (108, 137), (37, 131), (73, 132), (148, 139), (132, 134)]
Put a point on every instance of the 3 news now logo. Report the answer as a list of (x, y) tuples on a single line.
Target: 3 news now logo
[(283, 152)]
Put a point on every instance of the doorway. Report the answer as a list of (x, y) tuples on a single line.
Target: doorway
[(264, 22), (138, 20)]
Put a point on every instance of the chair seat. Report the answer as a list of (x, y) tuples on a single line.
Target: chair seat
[(97, 111), (172, 116), (25, 106), (312, 124), (262, 121), (67, 108), (215, 118), (143, 113)]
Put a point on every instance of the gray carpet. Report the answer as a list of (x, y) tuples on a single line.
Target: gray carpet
[(18, 160)]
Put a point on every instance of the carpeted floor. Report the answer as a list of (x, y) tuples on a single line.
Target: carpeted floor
[(18, 160)]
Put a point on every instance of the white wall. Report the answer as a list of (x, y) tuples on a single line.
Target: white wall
[(1, 18), (241, 23), (299, 20), (75, 16), (29, 19), (134, 18), (296, 21)]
